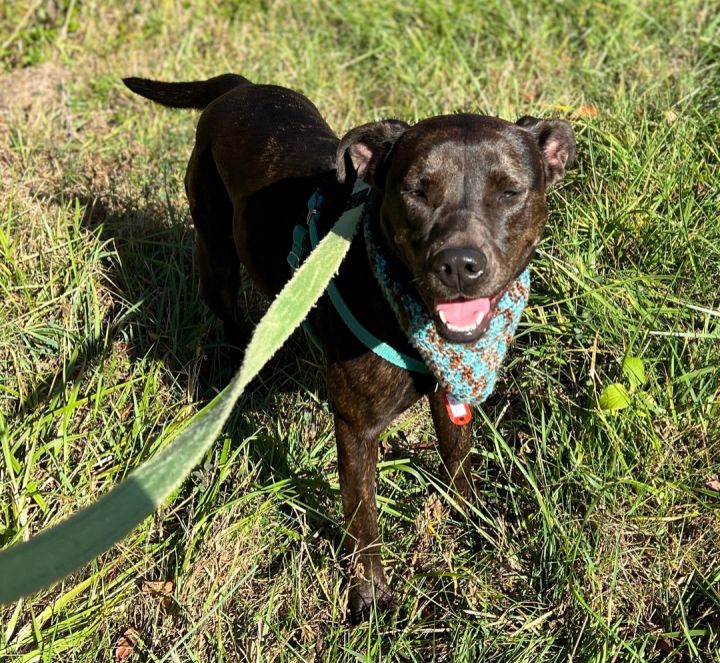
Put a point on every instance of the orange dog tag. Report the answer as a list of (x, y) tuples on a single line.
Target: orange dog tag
[(458, 412)]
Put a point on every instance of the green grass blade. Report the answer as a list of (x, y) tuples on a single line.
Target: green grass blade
[(57, 552)]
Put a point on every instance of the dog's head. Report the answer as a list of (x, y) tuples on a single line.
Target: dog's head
[(463, 203)]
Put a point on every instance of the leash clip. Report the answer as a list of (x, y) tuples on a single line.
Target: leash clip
[(458, 411)]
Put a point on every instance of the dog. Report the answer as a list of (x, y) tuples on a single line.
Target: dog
[(458, 203)]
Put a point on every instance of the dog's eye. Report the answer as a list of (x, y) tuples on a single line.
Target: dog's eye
[(508, 194)]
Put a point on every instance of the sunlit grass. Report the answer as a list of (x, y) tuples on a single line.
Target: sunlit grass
[(594, 535)]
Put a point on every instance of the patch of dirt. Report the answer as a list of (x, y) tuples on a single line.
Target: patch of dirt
[(26, 94), (34, 102), (31, 90)]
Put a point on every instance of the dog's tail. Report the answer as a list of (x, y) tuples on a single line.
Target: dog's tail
[(196, 94)]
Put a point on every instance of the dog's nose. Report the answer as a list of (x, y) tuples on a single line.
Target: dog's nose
[(460, 267)]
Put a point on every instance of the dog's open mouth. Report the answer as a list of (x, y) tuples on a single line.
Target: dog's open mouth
[(464, 315), (464, 320)]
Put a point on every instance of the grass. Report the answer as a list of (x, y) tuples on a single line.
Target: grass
[(594, 535)]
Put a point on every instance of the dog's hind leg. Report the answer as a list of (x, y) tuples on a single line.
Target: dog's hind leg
[(217, 258)]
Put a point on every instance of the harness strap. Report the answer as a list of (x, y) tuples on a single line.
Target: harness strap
[(299, 246), (368, 339)]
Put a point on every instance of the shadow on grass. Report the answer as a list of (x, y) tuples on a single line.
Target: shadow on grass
[(158, 309), (159, 316)]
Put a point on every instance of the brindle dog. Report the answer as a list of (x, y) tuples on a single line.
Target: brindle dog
[(458, 202)]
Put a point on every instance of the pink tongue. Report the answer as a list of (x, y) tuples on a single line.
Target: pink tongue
[(463, 313)]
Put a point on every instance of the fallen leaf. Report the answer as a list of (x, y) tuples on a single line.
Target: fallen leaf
[(125, 646), (586, 111), (433, 509), (162, 587), (713, 484)]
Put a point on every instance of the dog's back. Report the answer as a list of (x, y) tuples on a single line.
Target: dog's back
[(259, 153), (279, 132)]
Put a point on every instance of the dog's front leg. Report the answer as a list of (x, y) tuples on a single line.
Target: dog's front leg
[(454, 443), (367, 394), (357, 464)]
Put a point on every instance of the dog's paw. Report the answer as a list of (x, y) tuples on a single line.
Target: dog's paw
[(366, 596)]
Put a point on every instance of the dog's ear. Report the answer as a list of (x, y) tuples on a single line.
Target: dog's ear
[(364, 149), (556, 141)]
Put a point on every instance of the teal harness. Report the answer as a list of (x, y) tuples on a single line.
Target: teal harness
[(356, 207), (467, 371)]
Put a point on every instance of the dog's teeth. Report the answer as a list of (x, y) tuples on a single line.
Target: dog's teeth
[(463, 328), (458, 328), (455, 328)]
